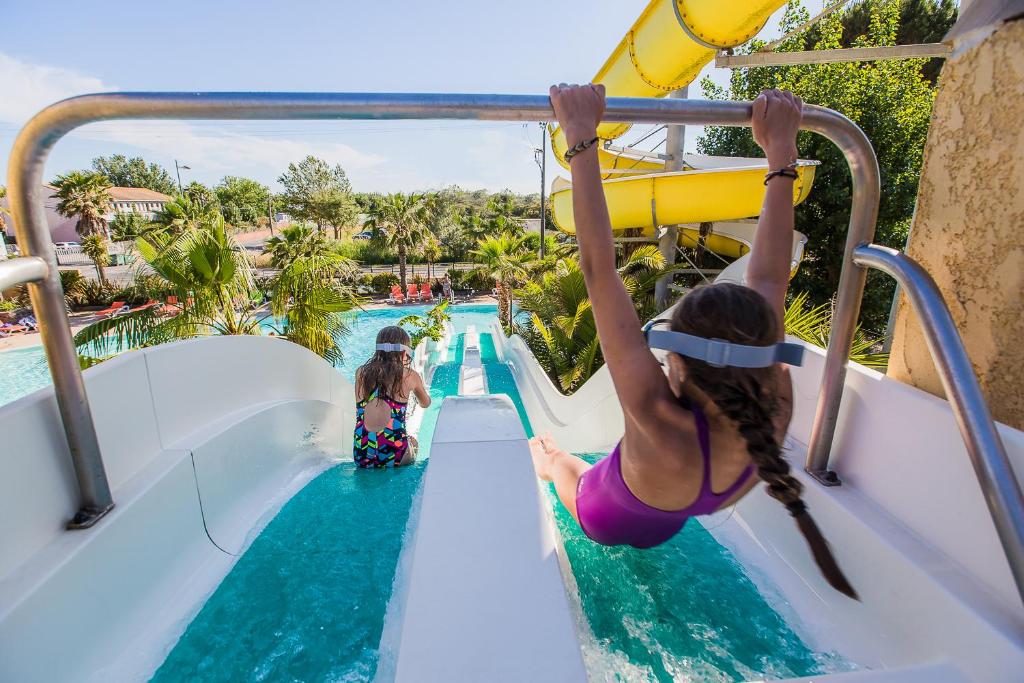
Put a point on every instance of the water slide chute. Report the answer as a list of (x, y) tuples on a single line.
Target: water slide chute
[(664, 50)]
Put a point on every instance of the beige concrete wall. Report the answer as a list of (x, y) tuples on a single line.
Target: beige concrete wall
[(969, 225)]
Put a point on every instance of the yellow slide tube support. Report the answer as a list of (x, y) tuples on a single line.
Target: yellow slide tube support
[(693, 196), (664, 50)]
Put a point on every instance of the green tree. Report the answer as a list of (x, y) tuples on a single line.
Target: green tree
[(561, 332), (183, 213), (128, 225), (87, 195), (315, 191), (505, 259), (399, 220), (890, 100), (95, 247), (206, 268), (296, 241), (135, 172), (201, 194), (243, 201)]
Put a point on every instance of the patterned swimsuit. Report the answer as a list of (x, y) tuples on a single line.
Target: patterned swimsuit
[(385, 448)]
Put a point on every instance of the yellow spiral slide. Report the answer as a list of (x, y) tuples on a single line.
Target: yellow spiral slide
[(664, 50)]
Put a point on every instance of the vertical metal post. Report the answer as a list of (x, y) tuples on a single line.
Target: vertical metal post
[(48, 304), (177, 172), (668, 241), (270, 213), (543, 182)]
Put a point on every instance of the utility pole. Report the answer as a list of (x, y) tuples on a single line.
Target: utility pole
[(669, 238), (270, 213), (542, 161), (177, 172)]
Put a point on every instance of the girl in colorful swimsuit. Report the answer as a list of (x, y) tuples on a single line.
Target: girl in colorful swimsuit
[(700, 436), (383, 387)]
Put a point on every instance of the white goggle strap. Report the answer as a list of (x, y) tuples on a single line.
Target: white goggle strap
[(722, 354), (394, 348)]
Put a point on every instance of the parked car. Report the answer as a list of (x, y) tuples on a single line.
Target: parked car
[(66, 245), (363, 236)]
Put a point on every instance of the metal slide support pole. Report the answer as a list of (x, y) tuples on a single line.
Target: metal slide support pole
[(985, 448), (543, 181), (36, 139), (669, 238)]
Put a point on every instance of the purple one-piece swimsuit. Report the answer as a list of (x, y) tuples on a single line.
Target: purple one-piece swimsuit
[(610, 514)]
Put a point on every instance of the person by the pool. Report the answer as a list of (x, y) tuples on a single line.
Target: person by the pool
[(700, 438), (383, 386)]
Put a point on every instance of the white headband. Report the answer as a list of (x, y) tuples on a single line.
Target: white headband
[(394, 348), (720, 354)]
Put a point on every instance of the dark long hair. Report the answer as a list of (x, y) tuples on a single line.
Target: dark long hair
[(385, 370), (749, 397)]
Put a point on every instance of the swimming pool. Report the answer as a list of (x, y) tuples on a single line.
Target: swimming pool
[(23, 371), (307, 600)]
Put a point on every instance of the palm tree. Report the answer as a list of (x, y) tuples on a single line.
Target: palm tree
[(95, 247), (401, 221), (205, 268), (86, 195), (297, 240), (184, 212), (506, 259), (561, 332)]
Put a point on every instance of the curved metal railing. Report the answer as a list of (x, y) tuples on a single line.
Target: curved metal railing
[(39, 267)]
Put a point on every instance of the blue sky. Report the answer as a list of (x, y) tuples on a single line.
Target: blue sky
[(62, 49)]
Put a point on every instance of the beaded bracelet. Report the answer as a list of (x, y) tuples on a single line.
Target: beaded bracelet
[(577, 148), (788, 172)]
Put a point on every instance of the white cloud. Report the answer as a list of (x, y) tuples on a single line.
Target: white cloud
[(27, 88), (215, 150)]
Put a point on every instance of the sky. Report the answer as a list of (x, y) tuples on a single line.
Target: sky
[(62, 48)]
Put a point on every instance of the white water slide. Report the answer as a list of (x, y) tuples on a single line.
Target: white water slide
[(202, 442)]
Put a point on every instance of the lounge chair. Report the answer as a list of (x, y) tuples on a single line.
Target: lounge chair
[(7, 329), (149, 304), (113, 309), (30, 323), (396, 295), (413, 293), (425, 293), (171, 307)]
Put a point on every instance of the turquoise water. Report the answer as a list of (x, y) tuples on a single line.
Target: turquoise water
[(307, 600), (23, 371), (684, 610)]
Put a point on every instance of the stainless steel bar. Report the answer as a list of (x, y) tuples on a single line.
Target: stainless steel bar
[(33, 144), (985, 448), (18, 271)]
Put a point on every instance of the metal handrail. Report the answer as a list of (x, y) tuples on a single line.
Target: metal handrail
[(36, 139), (987, 453)]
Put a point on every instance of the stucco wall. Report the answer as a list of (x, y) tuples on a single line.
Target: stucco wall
[(969, 226)]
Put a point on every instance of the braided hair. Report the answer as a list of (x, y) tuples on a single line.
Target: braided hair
[(749, 397)]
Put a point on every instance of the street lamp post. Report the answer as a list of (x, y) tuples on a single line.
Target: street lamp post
[(541, 157), (177, 172)]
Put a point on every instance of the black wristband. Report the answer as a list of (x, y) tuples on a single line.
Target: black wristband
[(788, 172), (577, 148)]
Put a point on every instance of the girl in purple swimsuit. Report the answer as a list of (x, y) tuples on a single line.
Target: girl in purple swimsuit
[(701, 437)]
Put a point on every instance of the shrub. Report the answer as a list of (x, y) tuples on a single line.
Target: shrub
[(470, 279), (7, 305), (367, 252), (383, 282)]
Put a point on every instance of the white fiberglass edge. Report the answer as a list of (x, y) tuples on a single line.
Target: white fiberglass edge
[(203, 442), (909, 525), (484, 599)]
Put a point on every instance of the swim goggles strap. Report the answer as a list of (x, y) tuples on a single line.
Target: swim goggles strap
[(394, 347), (722, 354)]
